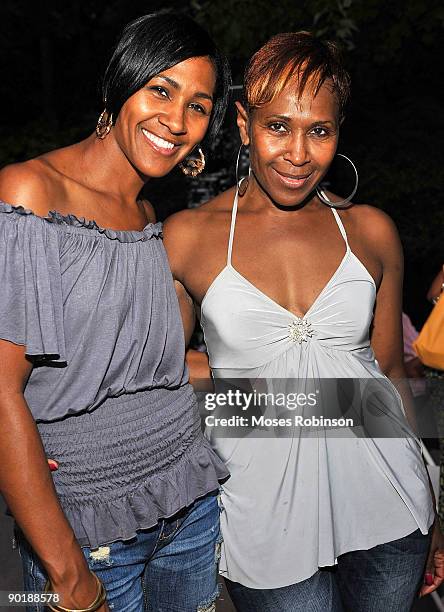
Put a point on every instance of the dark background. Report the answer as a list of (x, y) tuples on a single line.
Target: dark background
[(52, 54)]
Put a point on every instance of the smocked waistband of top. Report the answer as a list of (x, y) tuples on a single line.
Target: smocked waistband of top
[(127, 408)]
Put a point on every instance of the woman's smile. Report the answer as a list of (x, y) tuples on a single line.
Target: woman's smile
[(292, 181), (165, 147)]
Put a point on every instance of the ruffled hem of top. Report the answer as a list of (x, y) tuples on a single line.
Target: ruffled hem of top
[(161, 496), (149, 231)]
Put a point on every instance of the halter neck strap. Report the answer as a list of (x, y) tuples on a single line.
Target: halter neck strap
[(232, 226), (340, 225)]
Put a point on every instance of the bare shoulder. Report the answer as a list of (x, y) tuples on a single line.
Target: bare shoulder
[(371, 223), (376, 231), (188, 224), (372, 216), (27, 184), (181, 226), (222, 203)]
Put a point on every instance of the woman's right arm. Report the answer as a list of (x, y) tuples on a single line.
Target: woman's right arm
[(25, 479), (26, 484)]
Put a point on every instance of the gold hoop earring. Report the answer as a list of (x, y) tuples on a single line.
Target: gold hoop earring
[(193, 166), (104, 124)]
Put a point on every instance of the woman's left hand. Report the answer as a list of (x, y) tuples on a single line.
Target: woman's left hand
[(434, 573)]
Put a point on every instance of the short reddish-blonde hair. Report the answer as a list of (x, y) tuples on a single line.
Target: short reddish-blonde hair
[(298, 56)]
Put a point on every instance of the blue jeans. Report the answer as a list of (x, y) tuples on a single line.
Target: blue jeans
[(170, 568), (386, 577)]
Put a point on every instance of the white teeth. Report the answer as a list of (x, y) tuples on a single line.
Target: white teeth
[(159, 142)]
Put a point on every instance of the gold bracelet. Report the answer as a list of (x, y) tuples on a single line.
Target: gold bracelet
[(99, 600)]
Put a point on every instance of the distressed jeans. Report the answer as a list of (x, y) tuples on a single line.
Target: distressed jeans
[(384, 578), (170, 568)]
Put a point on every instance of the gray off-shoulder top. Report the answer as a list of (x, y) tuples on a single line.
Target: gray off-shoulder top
[(97, 312)]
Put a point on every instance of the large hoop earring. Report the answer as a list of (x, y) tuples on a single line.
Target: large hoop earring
[(193, 166), (242, 183), (104, 124), (342, 203)]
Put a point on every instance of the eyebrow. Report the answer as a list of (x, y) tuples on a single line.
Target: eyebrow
[(323, 122), (175, 85), (287, 118)]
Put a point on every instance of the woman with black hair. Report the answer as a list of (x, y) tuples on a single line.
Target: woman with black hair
[(92, 347)]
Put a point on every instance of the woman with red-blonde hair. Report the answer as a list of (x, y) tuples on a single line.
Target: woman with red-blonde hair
[(289, 279)]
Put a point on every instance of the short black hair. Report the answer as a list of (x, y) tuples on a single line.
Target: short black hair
[(156, 42)]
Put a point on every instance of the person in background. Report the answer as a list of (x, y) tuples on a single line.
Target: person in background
[(435, 380), (436, 287), (412, 364), (92, 371)]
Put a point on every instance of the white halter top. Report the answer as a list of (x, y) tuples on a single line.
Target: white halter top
[(295, 504)]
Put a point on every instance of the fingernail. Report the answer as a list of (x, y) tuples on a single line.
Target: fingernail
[(428, 579), (53, 465)]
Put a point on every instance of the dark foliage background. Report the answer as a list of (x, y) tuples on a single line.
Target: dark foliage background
[(52, 55)]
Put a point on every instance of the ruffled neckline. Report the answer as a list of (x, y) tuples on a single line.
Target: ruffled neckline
[(149, 231)]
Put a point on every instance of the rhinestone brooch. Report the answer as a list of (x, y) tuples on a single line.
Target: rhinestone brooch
[(300, 330)]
